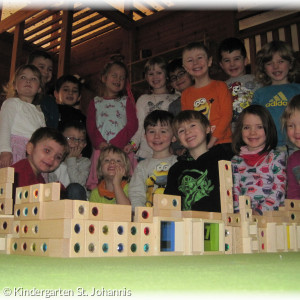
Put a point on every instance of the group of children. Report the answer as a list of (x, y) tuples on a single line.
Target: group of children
[(169, 141)]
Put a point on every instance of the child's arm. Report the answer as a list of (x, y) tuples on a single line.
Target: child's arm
[(78, 172), (92, 130), (124, 136), (121, 197)]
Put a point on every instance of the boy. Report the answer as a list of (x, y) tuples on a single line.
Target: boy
[(210, 97), (46, 149), (233, 60), (75, 168), (43, 61), (68, 93), (195, 177), (150, 175)]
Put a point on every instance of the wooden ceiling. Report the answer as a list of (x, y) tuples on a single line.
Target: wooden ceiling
[(43, 25)]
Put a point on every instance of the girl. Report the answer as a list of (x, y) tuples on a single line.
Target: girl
[(291, 123), (258, 169), (159, 98), (20, 114), (111, 117), (276, 70), (113, 172)]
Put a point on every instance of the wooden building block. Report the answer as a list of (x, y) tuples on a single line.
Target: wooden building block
[(28, 246), (281, 238), (45, 192), (147, 239), (23, 195), (291, 230), (194, 236), (293, 216), (244, 203), (7, 175), (237, 242), (228, 240), (143, 214), (6, 206), (292, 204), (6, 190), (106, 232), (30, 229), (65, 247), (134, 239), (28, 211), (298, 236), (201, 215), (278, 215), (249, 229), (226, 200), (167, 213), (246, 215), (214, 242), (162, 201), (5, 243), (120, 243), (225, 174), (92, 238), (110, 212), (6, 224), (231, 219)]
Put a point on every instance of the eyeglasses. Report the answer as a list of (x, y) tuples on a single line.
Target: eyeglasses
[(174, 78), (75, 140)]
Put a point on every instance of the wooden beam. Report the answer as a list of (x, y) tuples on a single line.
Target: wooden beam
[(16, 18), (17, 48), (65, 45)]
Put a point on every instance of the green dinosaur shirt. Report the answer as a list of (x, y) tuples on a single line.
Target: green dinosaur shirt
[(197, 181)]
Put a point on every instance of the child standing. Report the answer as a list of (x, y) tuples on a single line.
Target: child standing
[(46, 149), (258, 169), (150, 175), (233, 60), (111, 118), (75, 168), (44, 62), (291, 123), (276, 70), (113, 172), (156, 76), (20, 114), (210, 97), (195, 177)]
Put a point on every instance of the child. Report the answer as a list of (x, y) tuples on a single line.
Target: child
[(46, 149), (68, 93), (258, 169), (276, 70), (113, 171), (150, 175), (75, 168), (44, 62), (233, 60), (195, 177), (111, 118), (156, 76), (211, 97), (20, 115), (291, 123)]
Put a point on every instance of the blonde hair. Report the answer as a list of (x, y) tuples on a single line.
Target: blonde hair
[(293, 105), (11, 90), (266, 54), (116, 150)]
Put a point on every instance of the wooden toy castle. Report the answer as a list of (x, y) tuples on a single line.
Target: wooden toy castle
[(42, 224)]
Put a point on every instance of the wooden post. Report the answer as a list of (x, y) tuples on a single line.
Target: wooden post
[(65, 45)]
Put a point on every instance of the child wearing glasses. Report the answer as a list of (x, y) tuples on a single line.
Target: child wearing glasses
[(74, 170)]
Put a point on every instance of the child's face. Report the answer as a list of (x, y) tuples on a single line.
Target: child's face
[(110, 162), (233, 63), (114, 80), (253, 133), (180, 80), (45, 156), (192, 134), (293, 128), (156, 77), (76, 138), (27, 85), (277, 69), (196, 62), (159, 137), (45, 66), (68, 94)]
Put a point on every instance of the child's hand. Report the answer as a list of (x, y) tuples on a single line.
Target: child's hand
[(6, 159), (128, 148), (103, 145), (120, 173), (75, 152)]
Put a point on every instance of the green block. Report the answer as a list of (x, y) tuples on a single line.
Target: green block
[(211, 236)]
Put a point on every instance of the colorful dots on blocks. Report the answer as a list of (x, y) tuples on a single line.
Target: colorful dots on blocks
[(42, 224)]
